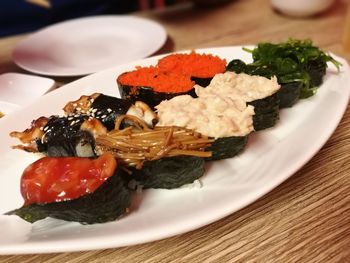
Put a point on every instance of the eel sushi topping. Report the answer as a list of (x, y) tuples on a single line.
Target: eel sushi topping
[(201, 67), (258, 91), (73, 189), (75, 133), (61, 136), (229, 121), (152, 85), (107, 109), (31, 135), (163, 157)]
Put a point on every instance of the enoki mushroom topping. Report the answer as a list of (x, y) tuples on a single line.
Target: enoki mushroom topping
[(134, 145)]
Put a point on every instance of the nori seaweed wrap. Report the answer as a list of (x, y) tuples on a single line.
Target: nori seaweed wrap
[(107, 109), (201, 81), (63, 137), (266, 112), (227, 147), (169, 172), (289, 94), (316, 70)]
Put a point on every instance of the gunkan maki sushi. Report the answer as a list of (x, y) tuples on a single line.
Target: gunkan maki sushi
[(162, 157), (229, 121), (153, 85), (201, 67), (257, 91), (291, 84), (75, 189), (298, 65)]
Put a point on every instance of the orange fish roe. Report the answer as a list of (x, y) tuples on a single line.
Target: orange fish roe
[(193, 64), (157, 79)]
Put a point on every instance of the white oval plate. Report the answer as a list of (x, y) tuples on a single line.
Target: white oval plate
[(21, 89), (87, 45), (270, 158), (6, 108)]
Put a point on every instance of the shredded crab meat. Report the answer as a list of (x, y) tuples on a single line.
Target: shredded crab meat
[(240, 86)]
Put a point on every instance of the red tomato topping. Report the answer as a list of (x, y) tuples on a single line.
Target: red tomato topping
[(55, 179)]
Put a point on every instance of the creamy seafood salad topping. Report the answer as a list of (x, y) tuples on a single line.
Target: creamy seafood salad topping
[(213, 116), (240, 86)]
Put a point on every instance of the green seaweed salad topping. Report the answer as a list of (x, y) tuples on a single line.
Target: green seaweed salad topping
[(294, 61)]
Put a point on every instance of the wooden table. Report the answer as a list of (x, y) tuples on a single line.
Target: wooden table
[(305, 219)]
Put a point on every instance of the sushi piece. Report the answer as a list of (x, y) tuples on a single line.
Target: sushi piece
[(306, 57), (257, 91), (107, 109), (75, 133), (291, 85), (201, 67), (61, 136), (152, 85), (163, 157), (294, 61), (228, 121), (76, 189), (317, 70), (289, 93)]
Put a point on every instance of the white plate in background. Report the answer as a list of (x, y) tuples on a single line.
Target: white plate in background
[(22, 89), (87, 45), (270, 157)]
